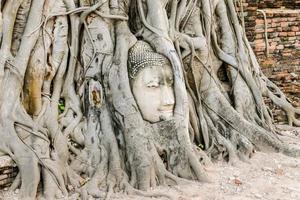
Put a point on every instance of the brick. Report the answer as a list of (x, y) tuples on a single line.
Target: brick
[(295, 28), (291, 33), (273, 35), (260, 30), (294, 23), (259, 41), (276, 20), (287, 54), (252, 9), (292, 38), (282, 34), (280, 47), (291, 19), (272, 48), (277, 39), (286, 29), (294, 14), (260, 26), (259, 36), (284, 24), (260, 21), (261, 48)]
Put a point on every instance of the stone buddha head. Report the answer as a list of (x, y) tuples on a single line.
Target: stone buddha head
[(151, 81)]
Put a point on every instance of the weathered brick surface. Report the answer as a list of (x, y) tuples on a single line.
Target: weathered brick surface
[(291, 4), (283, 37), (282, 65)]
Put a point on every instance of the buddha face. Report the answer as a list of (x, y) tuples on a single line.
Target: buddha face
[(153, 91)]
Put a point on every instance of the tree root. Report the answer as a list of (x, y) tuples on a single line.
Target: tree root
[(100, 140), (278, 98)]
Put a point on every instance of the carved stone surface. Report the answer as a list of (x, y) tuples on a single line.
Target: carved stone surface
[(151, 80)]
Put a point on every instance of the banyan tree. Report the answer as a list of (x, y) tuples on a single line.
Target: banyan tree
[(105, 95)]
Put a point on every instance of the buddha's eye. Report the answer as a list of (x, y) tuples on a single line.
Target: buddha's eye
[(153, 84), (170, 81)]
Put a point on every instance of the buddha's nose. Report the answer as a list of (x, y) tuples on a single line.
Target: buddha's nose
[(167, 96)]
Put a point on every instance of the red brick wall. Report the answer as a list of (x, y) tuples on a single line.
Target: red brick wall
[(283, 30), (282, 65), (291, 4)]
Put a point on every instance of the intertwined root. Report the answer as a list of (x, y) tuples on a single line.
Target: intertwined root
[(279, 99)]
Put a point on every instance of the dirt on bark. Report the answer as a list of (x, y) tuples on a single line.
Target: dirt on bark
[(268, 176)]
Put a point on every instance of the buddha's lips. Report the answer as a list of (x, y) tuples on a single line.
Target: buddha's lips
[(166, 111)]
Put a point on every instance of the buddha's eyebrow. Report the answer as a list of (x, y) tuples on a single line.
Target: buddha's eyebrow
[(170, 79), (155, 80)]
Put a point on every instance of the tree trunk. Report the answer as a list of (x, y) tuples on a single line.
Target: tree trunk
[(68, 113)]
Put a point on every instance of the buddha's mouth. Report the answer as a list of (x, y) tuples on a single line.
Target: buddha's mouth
[(165, 115), (166, 111)]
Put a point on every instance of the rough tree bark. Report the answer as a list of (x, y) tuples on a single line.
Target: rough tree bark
[(68, 117)]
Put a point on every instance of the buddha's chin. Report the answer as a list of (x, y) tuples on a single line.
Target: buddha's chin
[(159, 116), (165, 115)]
